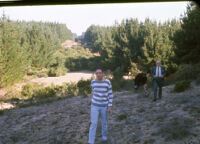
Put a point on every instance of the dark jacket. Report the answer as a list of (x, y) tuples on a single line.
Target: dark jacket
[(153, 73)]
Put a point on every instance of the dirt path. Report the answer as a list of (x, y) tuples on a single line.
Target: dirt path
[(67, 121), (69, 44), (69, 77)]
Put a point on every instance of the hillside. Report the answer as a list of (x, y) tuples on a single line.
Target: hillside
[(134, 119), (33, 55)]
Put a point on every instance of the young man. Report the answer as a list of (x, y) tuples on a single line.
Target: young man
[(102, 98), (158, 73)]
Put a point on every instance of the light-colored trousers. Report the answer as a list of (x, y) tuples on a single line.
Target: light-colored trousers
[(95, 111)]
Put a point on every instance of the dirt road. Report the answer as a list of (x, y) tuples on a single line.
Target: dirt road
[(69, 77)]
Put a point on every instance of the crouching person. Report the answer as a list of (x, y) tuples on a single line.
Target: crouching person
[(141, 80)]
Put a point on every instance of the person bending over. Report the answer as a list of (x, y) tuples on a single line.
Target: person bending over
[(141, 80)]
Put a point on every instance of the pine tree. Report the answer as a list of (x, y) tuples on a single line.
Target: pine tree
[(187, 38), (12, 68)]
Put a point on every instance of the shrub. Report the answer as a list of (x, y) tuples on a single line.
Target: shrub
[(57, 88), (57, 71), (41, 95), (187, 72), (27, 90), (44, 92), (52, 72), (60, 71), (122, 117), (71, 89), (182, 85), (84, 87), (35, 95)]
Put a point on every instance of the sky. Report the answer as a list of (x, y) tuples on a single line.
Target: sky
[(79, 17)]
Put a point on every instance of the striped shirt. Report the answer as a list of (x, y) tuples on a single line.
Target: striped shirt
[(102, 93)]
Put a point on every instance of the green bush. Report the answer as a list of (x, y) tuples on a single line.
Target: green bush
[(44, 92), (60, 71), (122, 117), (84, 87), (182, 85), (33, 94), (27, 90), (71, 89), (39, 72), (187, 72), (57, 71), (52, 72), (50, 94), (57, 88)]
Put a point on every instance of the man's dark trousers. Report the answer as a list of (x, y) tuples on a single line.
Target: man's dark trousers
[(158, 83)]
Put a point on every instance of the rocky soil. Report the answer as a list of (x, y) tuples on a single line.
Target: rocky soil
[(134, 119)]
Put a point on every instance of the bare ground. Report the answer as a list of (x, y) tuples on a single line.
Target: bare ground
[(68, 77), (67, 121), (69, 44)]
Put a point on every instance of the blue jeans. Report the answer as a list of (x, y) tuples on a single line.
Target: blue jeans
[(95, 111)]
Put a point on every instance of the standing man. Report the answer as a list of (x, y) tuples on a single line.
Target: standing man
[(158, 73), (102, 98)]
